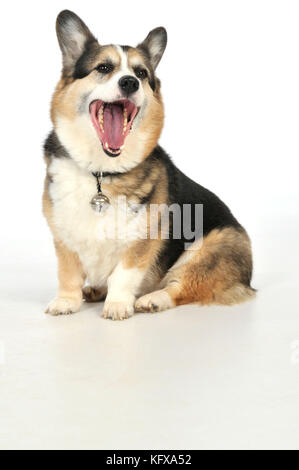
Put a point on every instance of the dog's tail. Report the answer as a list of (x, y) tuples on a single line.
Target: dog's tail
[(235, 294)]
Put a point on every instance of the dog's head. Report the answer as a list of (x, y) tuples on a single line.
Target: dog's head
[(107, 108)]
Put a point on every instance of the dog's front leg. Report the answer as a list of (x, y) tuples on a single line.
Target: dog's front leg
[(123, 286), (71, 279), (126, 279)]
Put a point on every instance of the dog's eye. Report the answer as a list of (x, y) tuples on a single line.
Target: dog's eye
[(140, 73), (105, 68)]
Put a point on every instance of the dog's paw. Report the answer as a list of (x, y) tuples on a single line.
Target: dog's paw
[(94, 294), (119, 309), (154, 302), (63, 306)]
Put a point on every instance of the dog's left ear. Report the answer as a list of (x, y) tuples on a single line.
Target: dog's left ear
[(155, 44)]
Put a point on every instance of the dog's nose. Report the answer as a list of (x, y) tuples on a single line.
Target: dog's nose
[(128, 84)]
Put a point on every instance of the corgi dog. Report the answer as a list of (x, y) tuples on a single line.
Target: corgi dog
[(105, 174)]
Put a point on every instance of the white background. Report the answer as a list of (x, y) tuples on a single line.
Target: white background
[(230, 81)]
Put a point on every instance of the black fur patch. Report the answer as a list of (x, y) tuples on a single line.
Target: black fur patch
[(147, 60), (83, 65), (182, 190), (53, 147), (126, 48)]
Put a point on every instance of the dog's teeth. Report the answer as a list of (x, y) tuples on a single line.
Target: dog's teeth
[(122, 147), (106, 145), (125, 120), (101, 114)]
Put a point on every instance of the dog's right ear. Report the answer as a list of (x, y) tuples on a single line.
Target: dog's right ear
[(73, 36)]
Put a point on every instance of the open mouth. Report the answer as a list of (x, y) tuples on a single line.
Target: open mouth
[(113, 122)]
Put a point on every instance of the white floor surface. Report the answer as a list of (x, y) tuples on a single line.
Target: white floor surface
[(194, 377)]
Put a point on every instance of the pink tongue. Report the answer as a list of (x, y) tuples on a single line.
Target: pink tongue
[(113, 126)]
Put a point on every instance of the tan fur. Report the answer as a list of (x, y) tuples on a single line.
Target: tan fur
[(152, 123), (70, 273), (143, 253), (207, 275), (66, 95), (135, 58), (67, 90), (136, 185), (217, 272)]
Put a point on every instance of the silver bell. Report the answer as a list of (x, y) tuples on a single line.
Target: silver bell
[(99, 202)]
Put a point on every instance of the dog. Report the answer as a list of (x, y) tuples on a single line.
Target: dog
[(107, 114)]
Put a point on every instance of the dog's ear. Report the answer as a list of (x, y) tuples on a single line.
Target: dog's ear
[(73, 36), (155, 44)]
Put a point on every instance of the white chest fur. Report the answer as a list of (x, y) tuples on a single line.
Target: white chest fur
[(98, 239)]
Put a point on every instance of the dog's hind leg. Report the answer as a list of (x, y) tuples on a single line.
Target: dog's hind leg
[(216, 270)]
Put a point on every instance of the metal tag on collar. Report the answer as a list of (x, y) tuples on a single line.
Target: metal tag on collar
[(100, 201)]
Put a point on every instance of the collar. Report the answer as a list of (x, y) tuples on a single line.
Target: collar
[(115, 173), (99, 175)]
